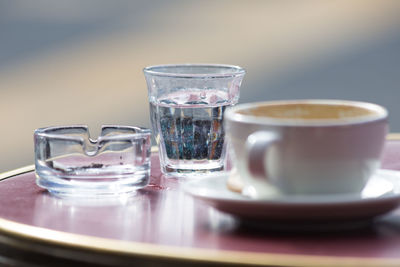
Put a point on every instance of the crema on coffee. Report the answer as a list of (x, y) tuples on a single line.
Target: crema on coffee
[(306, 111)]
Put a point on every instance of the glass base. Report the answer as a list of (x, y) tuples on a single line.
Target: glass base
[(191, 170), (92, 188)]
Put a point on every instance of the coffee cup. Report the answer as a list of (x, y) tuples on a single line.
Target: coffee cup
[(303, 147)]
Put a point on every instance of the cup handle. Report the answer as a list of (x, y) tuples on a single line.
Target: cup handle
[(256, 145)]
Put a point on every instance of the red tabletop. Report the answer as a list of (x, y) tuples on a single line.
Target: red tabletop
[(161, 221)]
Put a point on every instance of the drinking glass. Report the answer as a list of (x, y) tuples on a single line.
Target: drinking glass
[(187, 104)]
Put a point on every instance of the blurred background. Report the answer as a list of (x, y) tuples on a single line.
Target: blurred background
[(80, 62)]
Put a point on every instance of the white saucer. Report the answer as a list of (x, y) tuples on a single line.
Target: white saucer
[(381, 195)]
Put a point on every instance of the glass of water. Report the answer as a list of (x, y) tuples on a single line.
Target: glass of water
[(187, 104)]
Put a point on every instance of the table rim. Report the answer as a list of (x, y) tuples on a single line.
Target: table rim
[(113, 247)]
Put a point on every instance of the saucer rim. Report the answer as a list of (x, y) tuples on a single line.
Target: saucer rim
[(301, 200)]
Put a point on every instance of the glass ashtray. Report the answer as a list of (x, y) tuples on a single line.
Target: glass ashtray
[(69, 162)]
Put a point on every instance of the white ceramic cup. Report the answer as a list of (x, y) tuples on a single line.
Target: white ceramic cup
[(305, 146)]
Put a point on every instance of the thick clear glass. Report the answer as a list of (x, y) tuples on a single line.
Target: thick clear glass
[(69, 162), (187, 104)]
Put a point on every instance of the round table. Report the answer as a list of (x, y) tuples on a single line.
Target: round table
[(161, 225)]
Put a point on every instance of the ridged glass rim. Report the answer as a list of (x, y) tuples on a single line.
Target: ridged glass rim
[(231, 71)]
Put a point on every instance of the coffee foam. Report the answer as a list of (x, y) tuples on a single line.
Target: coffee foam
[(308, 111)]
